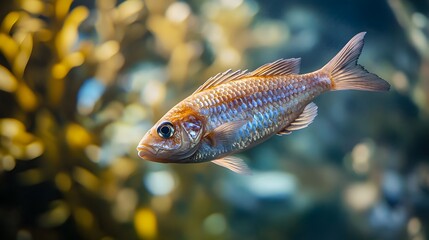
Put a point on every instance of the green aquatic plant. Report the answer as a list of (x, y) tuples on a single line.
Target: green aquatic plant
[(415, 25), (44, 142)]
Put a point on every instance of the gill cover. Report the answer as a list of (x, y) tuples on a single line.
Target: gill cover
[(191, 136)]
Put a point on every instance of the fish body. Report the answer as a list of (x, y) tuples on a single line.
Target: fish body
[(255, 108), (234, 111)]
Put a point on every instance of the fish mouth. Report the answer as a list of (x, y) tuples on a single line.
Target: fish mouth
[(144, 149), (150, 153)]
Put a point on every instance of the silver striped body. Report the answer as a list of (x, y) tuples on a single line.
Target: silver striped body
[(267, 104)]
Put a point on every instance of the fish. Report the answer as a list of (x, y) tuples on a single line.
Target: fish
[(236, 110)]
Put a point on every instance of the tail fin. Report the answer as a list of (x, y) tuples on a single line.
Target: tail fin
[(345, 73)]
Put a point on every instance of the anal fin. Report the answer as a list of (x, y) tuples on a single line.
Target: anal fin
[(302, 121), (234, 164), (284, 132)]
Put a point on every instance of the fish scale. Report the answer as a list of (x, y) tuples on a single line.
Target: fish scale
[(265, 103)]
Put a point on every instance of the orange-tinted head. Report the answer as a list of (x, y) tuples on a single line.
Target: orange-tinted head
[(174, 138)]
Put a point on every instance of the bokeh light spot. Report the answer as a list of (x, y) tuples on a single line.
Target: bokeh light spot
[(10, 127), (361, 196), (59, 71), (77, 136), (400, 81), (26, 97), (63, 181), (9, 21), (231, 4), (107, 50), (419, 20), (414, 226), (33, 150), (159, 183), (33, 6), (123, 167), (272, 184), (361, 154), (161, 203), (86, 178), (126, 202), (145, 223), (129, 10), (154, 93), (93, 152), (8, 81), (178, 11), (229, 57), (7, 163), (74, 59), (57, 215), (88, 95), (215, 224)]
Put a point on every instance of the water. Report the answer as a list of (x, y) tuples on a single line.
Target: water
[(83, 81)]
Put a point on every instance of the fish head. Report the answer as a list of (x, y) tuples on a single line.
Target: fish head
[(172, 139)]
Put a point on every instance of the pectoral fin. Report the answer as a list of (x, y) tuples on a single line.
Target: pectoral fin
[(224, 134), (306, 118), (234, 164)]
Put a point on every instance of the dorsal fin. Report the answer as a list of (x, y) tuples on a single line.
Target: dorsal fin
[(304, 119), (279, 67), (220, 78)]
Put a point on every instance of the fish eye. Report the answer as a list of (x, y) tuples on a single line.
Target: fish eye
[(165, 130)]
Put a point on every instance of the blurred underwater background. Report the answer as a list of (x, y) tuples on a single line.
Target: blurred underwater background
[(82, 81)]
